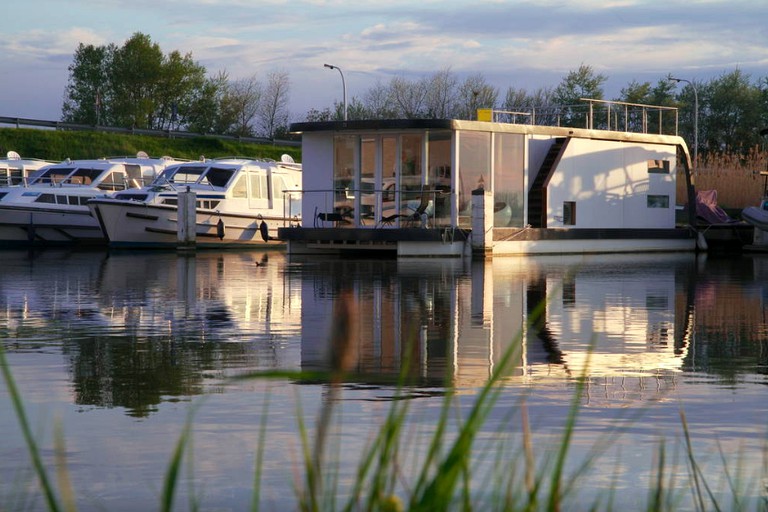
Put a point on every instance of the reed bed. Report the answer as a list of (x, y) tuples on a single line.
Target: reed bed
[(736, 177)]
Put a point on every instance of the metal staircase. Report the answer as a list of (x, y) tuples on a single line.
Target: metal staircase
[(537, 196)]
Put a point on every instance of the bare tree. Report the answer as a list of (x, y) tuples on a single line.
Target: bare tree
[(242, 100), (409, 96), (475, 92), (537, 103), (273, 109), (379, 102), (441, 94)]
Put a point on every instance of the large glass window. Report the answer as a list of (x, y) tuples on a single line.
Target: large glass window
[(439, 175), (389, 168), (369, 204), (410, 162), (474, 170), (344, 165), (508, 179)]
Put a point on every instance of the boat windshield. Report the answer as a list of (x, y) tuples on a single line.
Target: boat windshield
[(214, 176), (52, 175), (182, 174), (217, 176)]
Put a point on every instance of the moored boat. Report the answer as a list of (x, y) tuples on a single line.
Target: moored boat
[(757, 217), (239, 202), (14, 169), (492, 188), (50, 207)]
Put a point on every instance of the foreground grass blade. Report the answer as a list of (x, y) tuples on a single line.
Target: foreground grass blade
[(34, 451), (174, 469)]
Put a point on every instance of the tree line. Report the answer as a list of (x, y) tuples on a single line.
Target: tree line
[(136, 85)]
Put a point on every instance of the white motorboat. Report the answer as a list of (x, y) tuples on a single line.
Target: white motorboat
[(50, 207), (239, 201), (14, 169), (756, 216)]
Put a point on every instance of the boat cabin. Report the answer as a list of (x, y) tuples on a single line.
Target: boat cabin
[(419, 187), (14, 169)]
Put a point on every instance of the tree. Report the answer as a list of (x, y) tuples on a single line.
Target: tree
[(273, 110), (135, 85), (580, 83), (475, 92), (207, 110), (440, 101), (379, 102), (134, 76), (242, 100), (409, 97), (88, 86), (180, 80), (538, 104), (732, 117)]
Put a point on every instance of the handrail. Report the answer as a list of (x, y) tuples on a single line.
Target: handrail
[(350, 204), (18, 122), (557, 112)]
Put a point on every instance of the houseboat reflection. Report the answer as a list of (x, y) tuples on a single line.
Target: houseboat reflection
[(452, 322)]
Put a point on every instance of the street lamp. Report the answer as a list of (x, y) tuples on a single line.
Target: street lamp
[(343, 86), (695, 119)]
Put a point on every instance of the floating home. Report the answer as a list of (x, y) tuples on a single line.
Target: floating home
[(432, 187)]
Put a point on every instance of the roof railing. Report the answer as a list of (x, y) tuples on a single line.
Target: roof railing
[(593, 114)]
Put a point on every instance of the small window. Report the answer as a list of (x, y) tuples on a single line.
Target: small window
[(241, 188), (658, 201), (569, 213), (46, 198), (259, 189), (658, 166)]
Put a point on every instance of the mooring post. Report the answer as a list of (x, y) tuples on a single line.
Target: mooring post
[(187, 217), (482, 223)]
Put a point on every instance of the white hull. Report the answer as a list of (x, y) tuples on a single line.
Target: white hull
[(756, 217), (26, 224), (132, 224)]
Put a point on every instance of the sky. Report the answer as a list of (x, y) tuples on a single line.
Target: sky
[(512, 43)]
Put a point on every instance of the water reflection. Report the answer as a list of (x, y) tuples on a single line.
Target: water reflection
[(138, 329), (451, 322)]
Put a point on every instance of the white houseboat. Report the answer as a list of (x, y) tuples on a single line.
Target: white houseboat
[(49, 208), (426, 187), (237, 202), (14, 169)]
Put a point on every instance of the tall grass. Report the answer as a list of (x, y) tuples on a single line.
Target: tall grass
[(58, 145), (736, 178), (444, 476)]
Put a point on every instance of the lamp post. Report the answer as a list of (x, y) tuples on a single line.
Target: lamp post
[(695, 119), (343, 86)]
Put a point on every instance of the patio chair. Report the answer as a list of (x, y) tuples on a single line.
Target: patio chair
[(412, 217)]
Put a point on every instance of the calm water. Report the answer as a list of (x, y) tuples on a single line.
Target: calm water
[(119, 349)]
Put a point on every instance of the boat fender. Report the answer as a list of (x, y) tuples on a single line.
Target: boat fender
[(264, 229), (220, 229), (701, 242)]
